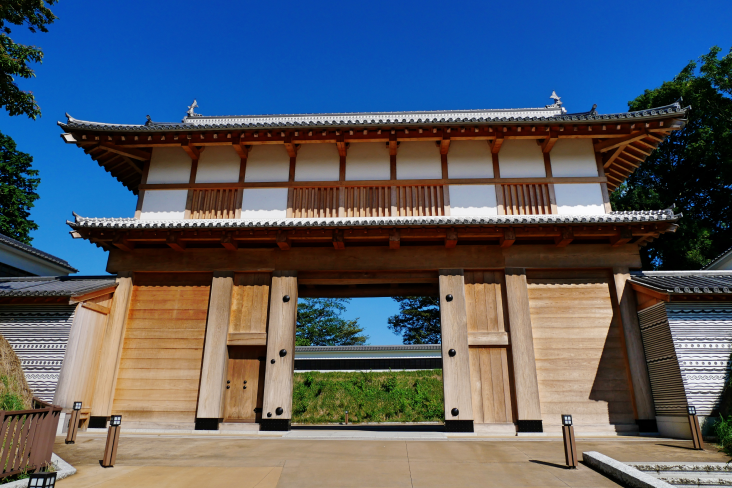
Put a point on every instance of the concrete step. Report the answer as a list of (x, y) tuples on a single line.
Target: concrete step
[(708, 475)]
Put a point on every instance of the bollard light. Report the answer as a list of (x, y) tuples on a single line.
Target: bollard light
[(110, 450), (42, 480), (570, 449), (346, 417), (696, 434), (73, 424)]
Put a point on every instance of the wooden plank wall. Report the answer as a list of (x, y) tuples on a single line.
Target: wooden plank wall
[(581, 363), (249, 308), (163, 347), (489, 373)]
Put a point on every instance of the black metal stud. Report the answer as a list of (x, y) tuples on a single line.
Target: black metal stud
[(448, 298), (283, 353), (455, 412), (273, 361), (279, 411), (452, 353), (269, 414), (286, 298)]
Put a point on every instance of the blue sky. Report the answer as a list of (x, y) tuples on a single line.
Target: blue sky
[(118, 61)]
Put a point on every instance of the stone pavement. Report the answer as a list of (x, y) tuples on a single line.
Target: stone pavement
[(379, 461)]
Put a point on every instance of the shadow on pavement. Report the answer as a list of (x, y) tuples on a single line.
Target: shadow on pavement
[(553, 465), (374, 428)]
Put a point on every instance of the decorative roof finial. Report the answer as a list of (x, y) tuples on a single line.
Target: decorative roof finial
[(594, 109), (149, 120), (557, 100), (191, 109)]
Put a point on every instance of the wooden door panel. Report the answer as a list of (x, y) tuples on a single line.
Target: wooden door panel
[(245, 384)]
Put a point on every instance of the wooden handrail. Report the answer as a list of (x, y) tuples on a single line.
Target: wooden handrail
[(27, 438)]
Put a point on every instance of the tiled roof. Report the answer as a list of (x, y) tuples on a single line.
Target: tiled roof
[(440, 117), (54, 286), (686, 282), (36, 252), (718, 258), (614, 217), (403, 347)]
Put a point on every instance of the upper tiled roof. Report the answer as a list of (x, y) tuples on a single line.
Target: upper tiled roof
[(36, 252), (551, 113), (54, 286), (686, 282), (614, 217), (718, 258)]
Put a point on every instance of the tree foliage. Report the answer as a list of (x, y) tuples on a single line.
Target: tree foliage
[(15, 58), (17, 191), (418, 320), (690, 171), (319, 323)]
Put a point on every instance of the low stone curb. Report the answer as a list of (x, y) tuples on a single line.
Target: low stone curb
[(621, 472), (63, 470)]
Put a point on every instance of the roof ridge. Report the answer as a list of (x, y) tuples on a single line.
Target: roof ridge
[(36, 252)]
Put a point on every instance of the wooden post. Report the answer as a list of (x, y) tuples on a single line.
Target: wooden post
[(636, 355), (455, 355), (215, 354), (111, 350), (110, 449), (73, 424), (278, 379), (570, 447), (696, 433), (522, 352)]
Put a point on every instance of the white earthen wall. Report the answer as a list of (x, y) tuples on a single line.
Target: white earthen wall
[(317, 162), (164, 205), (367, 161), (264, 203), (573, 157), (218, 164), (473, 200), (521, 158), (579, 199), (268, 162), (169, 165), (469, 159), (418, 160)]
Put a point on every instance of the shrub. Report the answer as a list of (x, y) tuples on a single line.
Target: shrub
[(723, 429)]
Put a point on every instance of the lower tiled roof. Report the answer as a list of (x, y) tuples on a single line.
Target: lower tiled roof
[(686, 282), (9, 241), (611, 218), (54, 286)]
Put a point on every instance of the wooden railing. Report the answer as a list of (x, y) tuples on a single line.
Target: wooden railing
[(27, 438), (368, 201), (215, 203), (525, 199)]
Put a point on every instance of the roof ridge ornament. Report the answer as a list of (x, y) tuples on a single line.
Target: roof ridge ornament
[(192, 109), (148, 121), (593, 111), (557, 100)]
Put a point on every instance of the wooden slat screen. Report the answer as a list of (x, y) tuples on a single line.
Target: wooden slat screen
[(367, 201), (419, 201), (315, 203), (215, 203), (526, 199)]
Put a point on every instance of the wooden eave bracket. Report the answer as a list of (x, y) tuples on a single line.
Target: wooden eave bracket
[(338, 241), (229, 243), (240, 149), (496, 144), (92, 294), (68, 138), (508, 238), (621, 141), (548, 143), (451, 239), (283, 240), (191, 150), (567, 236), (445, 144), (394, 239), (127, 151), (96, 307), (174, 242), (121, 242), (623, 237)]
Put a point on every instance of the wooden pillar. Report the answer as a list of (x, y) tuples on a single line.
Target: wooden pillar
[(278, 378), (522, 352), (111, 350), (636, 355), (455, 354), (210, 409)]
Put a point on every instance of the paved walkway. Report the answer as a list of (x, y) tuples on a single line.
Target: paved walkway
[(163, 461)]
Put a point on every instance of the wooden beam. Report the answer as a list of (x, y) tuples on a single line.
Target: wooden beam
[(610, 156), (283, 240), (488, 338), (92, 294), (622, 141), (229, 243), (567, 236), (496, 144), (174, 242), (247, 339), (451, 239), (623, 237), (193, 152), (548, 143), (96, 307), (121, 242), (129, 152), (338, 242), (334, 278), (240, 149), (509, 237), (394, 239), (445, 144)]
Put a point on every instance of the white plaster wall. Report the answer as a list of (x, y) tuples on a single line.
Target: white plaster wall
[(317, 162), (521, 158), (674, 427), (28, 262), (368, 161), (169, 165), (418, 160), (218, 164), (264, 203), (470, 200), (573, 157), (267, 162), (164, 205), (579, 199), (469, 159)]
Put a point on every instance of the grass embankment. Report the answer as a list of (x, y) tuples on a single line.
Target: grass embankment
[(14, 391), (394, 396)]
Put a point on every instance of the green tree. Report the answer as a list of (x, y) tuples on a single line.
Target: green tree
[(17, 191), (690, 171), (319, 323), (418, 320), (15, 58)]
